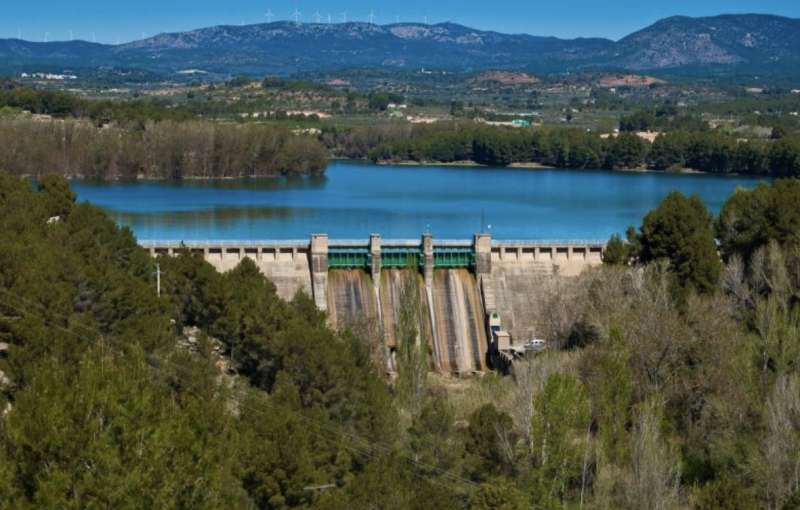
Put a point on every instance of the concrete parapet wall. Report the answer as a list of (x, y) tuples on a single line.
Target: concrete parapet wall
[(285, 265), (561, 259)]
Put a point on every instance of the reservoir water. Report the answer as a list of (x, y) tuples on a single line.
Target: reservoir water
[(354, 199)]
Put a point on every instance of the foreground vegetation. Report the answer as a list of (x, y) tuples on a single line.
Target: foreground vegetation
[(672, 382), (102, 407)]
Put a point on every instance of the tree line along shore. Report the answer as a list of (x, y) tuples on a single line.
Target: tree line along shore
[(157, 150), (204, 149), (703, 151), (77, 137)]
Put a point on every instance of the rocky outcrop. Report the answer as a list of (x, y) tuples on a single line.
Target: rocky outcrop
[(681, 41), (190, 342)]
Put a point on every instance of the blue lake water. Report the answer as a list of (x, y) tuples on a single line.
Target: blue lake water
[(355, 199)]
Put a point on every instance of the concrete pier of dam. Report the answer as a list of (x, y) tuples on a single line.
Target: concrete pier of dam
[(461, 282)]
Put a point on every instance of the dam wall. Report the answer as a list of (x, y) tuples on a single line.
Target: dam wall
[(518, 272), (460, 283), (285, 263)]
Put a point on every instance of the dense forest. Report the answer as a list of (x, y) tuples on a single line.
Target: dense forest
[(67, 105), (701, 150), (141, 139), (673, 379), (157, 150)]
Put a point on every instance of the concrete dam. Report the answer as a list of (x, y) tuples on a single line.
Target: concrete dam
[(463, 285)]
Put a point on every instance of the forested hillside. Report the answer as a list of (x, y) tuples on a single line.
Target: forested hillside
[(672, 380)]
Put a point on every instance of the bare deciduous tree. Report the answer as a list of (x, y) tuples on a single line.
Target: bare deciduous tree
[(166, 149), (529, 377), (654, 483), (781, 448), (412, 350)]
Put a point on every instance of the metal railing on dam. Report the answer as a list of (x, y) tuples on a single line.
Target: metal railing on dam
[(200, 243), (376, 252)]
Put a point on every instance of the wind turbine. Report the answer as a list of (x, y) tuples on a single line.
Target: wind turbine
[(330, 19), (344, 17), (296, 15), (71, 36), (19, 34), (426, 20), (371, 17), (47, 37), (269, 16), (317, 17)]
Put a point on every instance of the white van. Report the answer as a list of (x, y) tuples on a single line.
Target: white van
[(536, 344)]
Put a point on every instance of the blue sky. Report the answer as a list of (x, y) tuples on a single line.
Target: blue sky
[(109, 21)]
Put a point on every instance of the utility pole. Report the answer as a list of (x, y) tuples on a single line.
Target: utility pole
[(158, 279), (320, 488)]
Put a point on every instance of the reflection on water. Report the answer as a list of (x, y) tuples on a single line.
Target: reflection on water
[(354, 199), (261, 183), (223, 216), (196, 224)]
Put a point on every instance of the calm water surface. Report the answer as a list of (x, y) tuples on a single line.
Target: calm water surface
[(354, 199)]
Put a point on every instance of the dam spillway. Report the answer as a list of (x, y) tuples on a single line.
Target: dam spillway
[(392, 282), (459, 321), (351, 297), (460, 284)]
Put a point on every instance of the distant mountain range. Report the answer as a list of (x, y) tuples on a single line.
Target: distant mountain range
[(747, 42)]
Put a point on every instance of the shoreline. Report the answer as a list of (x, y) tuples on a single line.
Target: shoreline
[(460, 164), (409, 162), (147, 178), (532, 165), (404, 163)]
